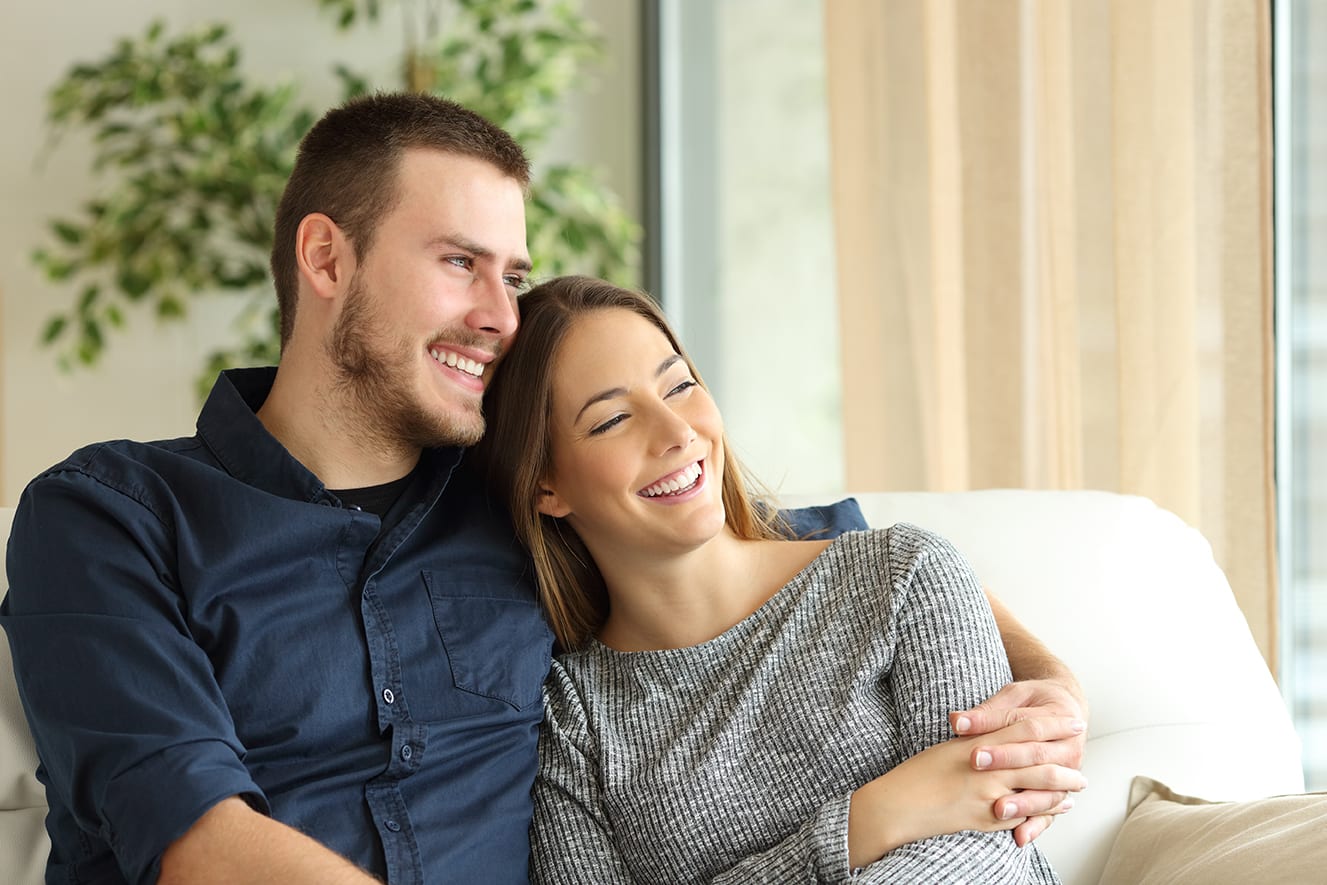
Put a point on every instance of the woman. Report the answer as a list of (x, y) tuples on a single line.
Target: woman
[(729, 706)]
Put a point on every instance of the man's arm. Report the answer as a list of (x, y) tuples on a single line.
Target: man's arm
[(1043, 686), (123, 703), (233, 845), (1029, 658)]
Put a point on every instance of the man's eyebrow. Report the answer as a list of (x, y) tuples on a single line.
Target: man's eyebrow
[(622, 391), (465, 244)]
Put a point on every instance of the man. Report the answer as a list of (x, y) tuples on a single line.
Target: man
[(302, 645)]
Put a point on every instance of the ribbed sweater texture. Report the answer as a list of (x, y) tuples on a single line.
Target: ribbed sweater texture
[(734, 761)]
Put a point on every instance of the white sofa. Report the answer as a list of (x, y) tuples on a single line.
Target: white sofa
[(1125, 592)]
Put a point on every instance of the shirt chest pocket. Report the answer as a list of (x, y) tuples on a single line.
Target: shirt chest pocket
[(497, 647)]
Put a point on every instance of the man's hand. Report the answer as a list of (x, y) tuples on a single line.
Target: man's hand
[(1019, 702), (937, 792), (232, 844)]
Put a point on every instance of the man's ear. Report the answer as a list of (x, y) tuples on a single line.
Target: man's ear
[(550, 503), (323, 254)]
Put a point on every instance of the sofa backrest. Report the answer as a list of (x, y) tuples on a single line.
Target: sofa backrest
[(1126, 593), (1130, 597)]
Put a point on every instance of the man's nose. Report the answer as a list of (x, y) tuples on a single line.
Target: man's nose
[(494, 310)]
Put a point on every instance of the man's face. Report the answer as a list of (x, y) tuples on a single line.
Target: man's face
[(433, 302)]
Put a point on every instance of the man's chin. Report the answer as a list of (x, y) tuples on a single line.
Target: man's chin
[(450, 431), (469, 437)]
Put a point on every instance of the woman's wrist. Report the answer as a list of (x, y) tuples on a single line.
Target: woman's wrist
[(876, 822)]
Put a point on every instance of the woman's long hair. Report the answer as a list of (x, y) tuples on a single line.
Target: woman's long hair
[(516, 452)]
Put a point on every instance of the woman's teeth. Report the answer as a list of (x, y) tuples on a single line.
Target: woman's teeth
[(680, 483)]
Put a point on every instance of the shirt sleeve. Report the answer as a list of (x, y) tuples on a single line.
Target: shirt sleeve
[(572, 839), (825, 521), (133, 733), (948, 656)]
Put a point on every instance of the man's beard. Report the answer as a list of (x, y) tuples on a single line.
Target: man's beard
[(380, 382)]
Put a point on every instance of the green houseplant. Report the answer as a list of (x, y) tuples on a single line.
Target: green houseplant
[(192, 157)]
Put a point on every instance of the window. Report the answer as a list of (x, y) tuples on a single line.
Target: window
[(743, 255), (1301, 329), (743, 260)]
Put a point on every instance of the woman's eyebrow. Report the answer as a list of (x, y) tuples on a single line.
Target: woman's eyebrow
[(622, 391)]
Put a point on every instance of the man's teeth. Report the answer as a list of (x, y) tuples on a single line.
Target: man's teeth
[(683, 481), (447, 358)]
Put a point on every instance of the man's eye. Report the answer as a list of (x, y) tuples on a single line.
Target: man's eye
[(461, 261), (681, 387), (607, 425), (517, 282)]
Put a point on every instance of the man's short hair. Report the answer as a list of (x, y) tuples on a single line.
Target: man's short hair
[(347, 169)]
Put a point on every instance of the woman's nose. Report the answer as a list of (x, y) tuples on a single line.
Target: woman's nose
[(671, 430)]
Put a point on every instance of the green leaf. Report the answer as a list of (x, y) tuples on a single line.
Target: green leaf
[(170, 308), (68, 233), (133, 283), (89, 296), (54, 327), (60, 269)]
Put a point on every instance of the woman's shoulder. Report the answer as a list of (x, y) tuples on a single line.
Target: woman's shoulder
[(896, 556), (901, 542)]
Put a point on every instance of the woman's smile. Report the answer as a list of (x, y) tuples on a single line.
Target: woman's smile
[(678, 485)]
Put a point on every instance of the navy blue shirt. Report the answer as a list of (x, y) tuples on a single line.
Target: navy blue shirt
[(201, 618)]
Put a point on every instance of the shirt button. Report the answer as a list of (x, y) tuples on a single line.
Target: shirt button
[(392, 825), (407, 752), (388, 696)]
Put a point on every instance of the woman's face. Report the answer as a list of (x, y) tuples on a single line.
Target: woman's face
[(637, 446)]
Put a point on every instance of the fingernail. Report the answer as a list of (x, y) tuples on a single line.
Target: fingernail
[(983, 759), (1078, 726), (1007, 811), (962, 724), (1066, 804)]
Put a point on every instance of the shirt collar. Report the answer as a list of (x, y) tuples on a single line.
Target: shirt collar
[(228, 425)]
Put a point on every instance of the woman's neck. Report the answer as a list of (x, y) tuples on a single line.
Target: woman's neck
[(686, 600)]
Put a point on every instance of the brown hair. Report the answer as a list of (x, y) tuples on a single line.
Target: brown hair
[(517, 451), (347, 169)]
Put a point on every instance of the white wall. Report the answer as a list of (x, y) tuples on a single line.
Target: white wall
[(143, 388)]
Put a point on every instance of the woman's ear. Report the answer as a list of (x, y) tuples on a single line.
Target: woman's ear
[(550, 503)]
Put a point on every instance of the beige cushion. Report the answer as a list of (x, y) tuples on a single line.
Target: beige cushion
[(1172, 838)]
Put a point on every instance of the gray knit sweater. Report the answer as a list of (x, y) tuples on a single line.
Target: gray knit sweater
[(734, 760)]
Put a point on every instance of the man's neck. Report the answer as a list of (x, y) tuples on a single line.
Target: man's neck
[(320, 431)]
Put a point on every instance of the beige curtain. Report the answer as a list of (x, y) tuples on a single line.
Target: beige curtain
[(1053, 223)]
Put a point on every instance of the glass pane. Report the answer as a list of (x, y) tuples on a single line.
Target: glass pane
[(747, 248), (1301, 115)]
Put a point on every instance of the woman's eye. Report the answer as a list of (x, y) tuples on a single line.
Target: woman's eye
[(681, 387), (607, 425)]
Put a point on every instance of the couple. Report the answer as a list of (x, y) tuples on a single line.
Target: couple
[(303, 644)]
